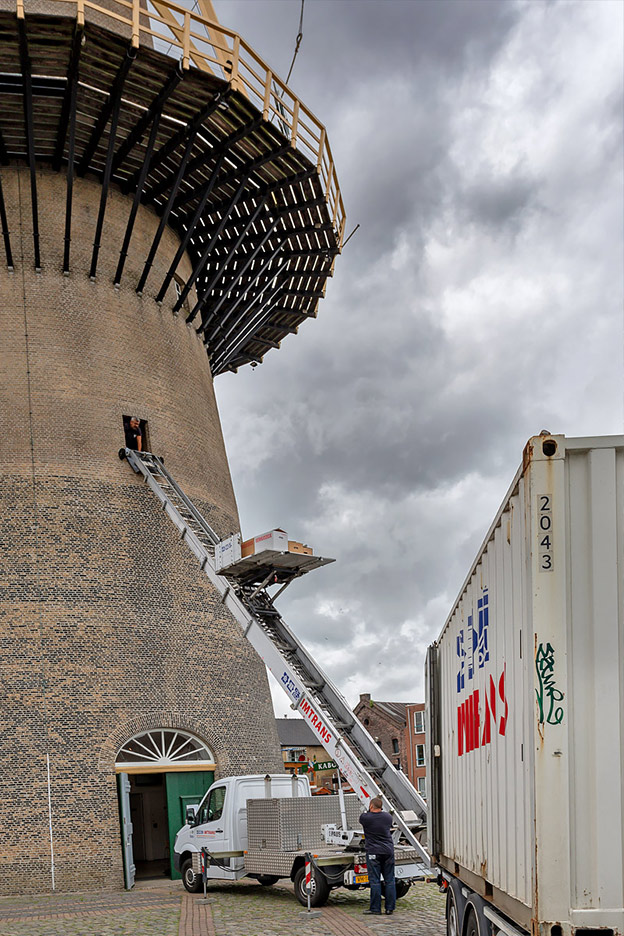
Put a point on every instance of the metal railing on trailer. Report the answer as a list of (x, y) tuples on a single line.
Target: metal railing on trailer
[(359, 758)]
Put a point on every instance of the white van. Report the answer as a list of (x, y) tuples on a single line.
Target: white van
[(220, 824)]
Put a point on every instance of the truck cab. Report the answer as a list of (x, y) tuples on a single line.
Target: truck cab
[(220, 823)]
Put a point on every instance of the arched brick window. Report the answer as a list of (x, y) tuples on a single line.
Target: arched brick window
[(164, 747)]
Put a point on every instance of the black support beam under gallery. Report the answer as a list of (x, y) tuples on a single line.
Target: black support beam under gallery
[(30, 134), (190, 230), (106, 111), (200, 262), (5, 230), (188, 132), (110, 152), (68, 108), (167, 211), (156, 107), (136, 201)]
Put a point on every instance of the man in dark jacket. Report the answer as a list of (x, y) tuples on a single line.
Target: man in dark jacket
[(134, 437), (379, 855)]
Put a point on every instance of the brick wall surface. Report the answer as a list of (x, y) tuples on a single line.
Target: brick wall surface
[(107, 626), (383, 729)]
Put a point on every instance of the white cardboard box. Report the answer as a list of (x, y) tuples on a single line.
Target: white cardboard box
[(274, 539)]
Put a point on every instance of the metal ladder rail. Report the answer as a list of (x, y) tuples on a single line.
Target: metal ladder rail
[(350, 764), (165, 480), (394, 783)]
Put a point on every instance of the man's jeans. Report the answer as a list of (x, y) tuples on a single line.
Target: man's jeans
[(379, 865)]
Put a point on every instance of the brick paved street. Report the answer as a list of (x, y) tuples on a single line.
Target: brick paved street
[(156, 908)]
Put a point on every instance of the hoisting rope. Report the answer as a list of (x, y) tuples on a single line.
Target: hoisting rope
[(297, 43)]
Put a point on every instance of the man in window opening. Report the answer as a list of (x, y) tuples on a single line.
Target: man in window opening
[(134, 439), (379, 855)]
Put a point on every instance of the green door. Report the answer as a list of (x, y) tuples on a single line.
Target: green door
[(184, 788)]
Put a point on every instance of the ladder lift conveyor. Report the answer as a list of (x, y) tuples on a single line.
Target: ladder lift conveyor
[(360, 760)]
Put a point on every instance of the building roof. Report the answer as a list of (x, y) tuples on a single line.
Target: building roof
[(295, 732), (394, 710)]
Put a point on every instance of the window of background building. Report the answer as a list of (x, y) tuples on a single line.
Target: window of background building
[(297, 754), (422, 786), (419, 722), (395, 745), (420, 755)]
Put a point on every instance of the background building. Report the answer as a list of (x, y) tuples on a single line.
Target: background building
[(302, 753), (162, 222), (399, 729)]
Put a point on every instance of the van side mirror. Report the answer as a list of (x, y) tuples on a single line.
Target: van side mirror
[(190, 815)]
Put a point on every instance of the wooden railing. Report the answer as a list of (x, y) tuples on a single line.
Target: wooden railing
[(212, 47)]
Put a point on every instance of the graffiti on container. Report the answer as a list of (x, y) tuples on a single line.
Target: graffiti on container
[(547, 693), (472, 647), (469, 730)]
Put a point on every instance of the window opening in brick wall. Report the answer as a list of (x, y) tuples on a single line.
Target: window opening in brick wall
[(178, 285), (164, 747), (395, 745), (420, 755), (129, 433), (422, 786)]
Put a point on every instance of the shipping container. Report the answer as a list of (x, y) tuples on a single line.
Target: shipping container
[(525, 690)]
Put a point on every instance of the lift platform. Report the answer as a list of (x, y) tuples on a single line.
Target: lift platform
[(274, 566)]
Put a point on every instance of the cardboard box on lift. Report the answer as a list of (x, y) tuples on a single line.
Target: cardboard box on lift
[(275, 539)]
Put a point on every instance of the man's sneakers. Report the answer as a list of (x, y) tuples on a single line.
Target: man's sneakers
[(372, 912), (389, 912)]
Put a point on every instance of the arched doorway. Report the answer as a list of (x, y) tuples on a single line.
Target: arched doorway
[(160, 773)]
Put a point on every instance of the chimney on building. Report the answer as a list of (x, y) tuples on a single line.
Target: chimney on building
[(365, 697)]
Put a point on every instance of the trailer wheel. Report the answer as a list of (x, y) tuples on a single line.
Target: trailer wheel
[(455, 904), (401, 888), (477, 924), (267, 879), (319, 888), (192, 882)]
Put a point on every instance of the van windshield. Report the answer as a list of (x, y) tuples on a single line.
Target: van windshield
[(212, 808)]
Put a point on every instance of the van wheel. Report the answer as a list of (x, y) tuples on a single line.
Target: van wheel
[(193, 882), (267, 879), (401, 888), (319, 888)]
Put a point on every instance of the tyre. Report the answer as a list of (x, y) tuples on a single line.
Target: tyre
[(477, 923), (319, 888), (193, 882), (455, 905), (402, 888), (472, 928), (267, 879)]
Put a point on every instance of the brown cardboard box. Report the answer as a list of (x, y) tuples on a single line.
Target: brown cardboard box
[(295, 547)]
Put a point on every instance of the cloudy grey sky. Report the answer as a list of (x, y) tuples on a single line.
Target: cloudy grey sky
[(479, 146)]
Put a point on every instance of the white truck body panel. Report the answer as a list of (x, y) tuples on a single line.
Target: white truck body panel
[(228, 833), (526, 686)]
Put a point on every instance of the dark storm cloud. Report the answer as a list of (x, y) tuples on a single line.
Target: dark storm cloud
[(479, 302)]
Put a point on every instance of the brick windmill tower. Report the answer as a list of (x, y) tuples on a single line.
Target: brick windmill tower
[(169, 211)]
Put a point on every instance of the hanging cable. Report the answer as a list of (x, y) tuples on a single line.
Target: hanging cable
[(278, 95), (297, 43)]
